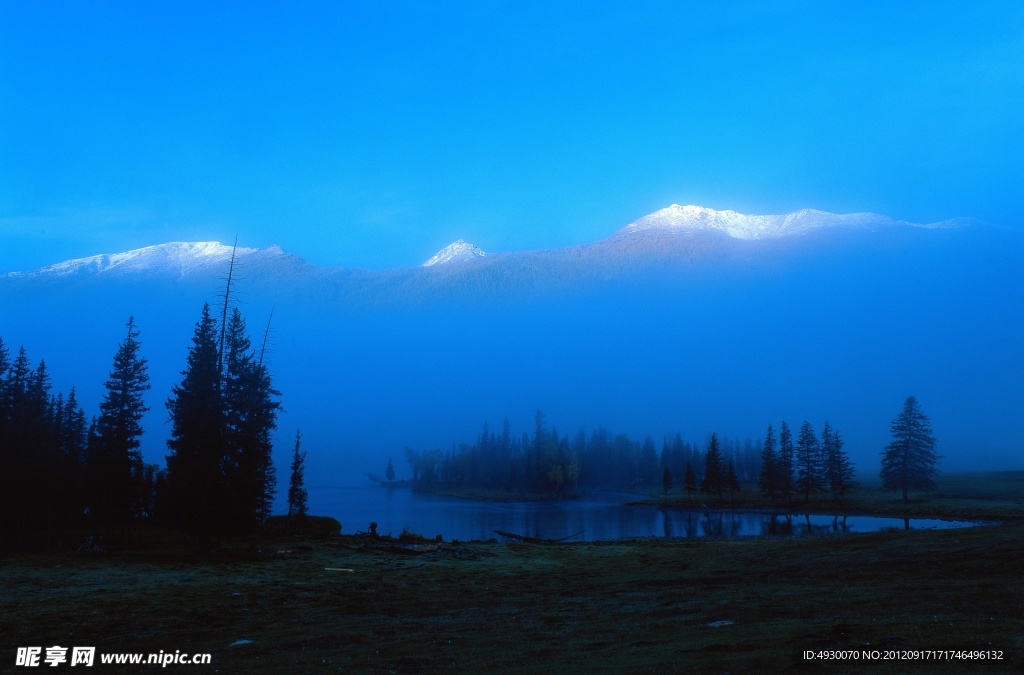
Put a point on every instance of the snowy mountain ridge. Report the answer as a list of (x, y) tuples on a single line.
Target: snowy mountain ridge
[(749, 227), (183, 258), (179, 257)]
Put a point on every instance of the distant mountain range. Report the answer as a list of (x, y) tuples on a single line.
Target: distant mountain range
[(677, 237), (688, 319)]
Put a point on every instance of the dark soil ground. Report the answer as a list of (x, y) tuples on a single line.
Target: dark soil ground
[(316, 601)]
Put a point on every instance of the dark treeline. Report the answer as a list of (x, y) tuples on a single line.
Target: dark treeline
[(784, 468), (62, 471), (43, 445), (547, 462), (58, 469)]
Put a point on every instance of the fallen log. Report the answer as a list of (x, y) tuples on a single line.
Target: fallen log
[(403, 549), (511, 536)]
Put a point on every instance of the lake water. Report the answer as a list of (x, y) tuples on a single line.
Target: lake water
[(602, 516)]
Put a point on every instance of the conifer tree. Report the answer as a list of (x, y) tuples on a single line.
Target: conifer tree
[(910, 462), (768, 479), (808, 462), (114, 462), (714, 475), (785, 464), (690, 482), (25, 450), (297, 495), (41, 504), (731, 480), (72, 445), (250, 415), (4, 404), (194, 475), (838, 467), (666, 480), (8, 458)]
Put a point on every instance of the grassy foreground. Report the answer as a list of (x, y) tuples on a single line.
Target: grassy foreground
[(634, 606)]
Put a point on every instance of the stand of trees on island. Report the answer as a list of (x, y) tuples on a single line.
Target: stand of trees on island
[(784, 468)]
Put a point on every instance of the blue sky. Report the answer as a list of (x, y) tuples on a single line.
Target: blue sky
[(371, 134)]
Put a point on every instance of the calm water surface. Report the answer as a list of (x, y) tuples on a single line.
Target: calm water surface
[(601, 516)]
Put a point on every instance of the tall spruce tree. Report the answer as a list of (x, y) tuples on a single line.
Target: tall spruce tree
[(768, 478), (838, 469), (114, 462), (4, 404), (72, 446), (195, 483), (297, 494), (910, 462), (714, 472), (786, 460), (41, 505), (808, 462), (7, 454), (690, 481), (732, 481), (250, 415)]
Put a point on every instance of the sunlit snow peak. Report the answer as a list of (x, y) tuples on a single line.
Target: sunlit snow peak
[(178, 256), (743, 226), (457, 251)]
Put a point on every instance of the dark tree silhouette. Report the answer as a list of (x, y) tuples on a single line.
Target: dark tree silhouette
[(28, 451), (732, 481), (389, 473), (785, 473), (808, 462), (768, 479), (666, 480), (250, 409), (714, 474), (690, 482), (297, 495), (910, 462), (838, 469), (71, 432), (15, 449), (647, 463), (194, 476), (4, 402), (220, 475), (114, 462)]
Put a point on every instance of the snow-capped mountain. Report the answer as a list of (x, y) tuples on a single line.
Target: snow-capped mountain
[(457, 251), (742, 226), (176, 258)]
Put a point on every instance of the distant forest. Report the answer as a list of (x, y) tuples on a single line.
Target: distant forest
[(547, 463)]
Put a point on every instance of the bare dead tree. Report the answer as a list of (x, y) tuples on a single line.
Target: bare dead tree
[(266, 336), (227, 302)]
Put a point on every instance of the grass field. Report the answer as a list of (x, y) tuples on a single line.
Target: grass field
[(740, 606)]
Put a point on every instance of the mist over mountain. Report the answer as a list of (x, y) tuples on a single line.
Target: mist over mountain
[(689, 320)]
